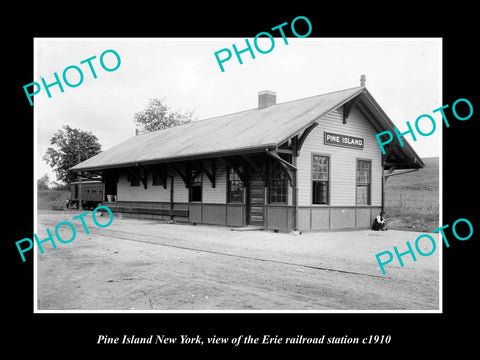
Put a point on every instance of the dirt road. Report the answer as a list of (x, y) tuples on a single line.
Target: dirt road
[(150, 265)]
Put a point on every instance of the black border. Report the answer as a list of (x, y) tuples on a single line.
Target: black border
[(66, 334)]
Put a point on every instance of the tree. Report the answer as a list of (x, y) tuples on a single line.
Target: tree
[(59, 186), (158, 116), (42, 183), (72, 146)]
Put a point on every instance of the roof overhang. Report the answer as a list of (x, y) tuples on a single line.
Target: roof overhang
[(260, 149), (400, 157), (396, 156)]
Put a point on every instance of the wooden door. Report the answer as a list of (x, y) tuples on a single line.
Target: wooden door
[(255, 200)]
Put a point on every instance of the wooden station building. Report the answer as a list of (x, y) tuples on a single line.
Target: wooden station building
[(308, 164)]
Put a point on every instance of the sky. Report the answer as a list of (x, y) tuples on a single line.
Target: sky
[(403, 75)]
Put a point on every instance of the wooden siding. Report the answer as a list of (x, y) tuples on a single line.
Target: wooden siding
[(314, 218), (235, 215), (195, 213), (343, 161), (214, 214), (180, 192), (289, 194), (217, 195), (156, 193), (279, 217), (320, 219), (342, 218), (362, 218)]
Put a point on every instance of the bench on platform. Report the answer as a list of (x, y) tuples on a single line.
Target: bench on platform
[(140, 210)]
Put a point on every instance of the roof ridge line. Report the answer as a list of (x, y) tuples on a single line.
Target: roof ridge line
[(284, 102)]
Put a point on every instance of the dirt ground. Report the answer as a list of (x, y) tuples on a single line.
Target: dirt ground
[(150, 265)]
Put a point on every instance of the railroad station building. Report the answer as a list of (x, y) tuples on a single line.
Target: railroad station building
[(308, 164)]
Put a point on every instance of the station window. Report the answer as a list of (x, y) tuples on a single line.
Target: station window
[(363, 182), (277, 184), (196, 186), (134, 180), (156, 180), (235, 187), (320, 179)]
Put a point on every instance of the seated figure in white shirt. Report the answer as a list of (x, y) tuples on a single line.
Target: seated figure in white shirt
[(380, 223)]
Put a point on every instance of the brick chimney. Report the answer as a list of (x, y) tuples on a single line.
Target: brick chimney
[(266, 98), (363, 80)]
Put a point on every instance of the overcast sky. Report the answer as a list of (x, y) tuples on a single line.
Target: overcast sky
[(403, 75)]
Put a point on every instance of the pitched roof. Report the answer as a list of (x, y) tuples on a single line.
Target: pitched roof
[(249, 130)]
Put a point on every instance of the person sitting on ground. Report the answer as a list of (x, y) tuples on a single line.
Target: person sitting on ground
[(380, 223)]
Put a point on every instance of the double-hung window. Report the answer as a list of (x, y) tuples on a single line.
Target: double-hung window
[(320, 179), (277, 184), (363, 182), (196, 186), (235, 186)]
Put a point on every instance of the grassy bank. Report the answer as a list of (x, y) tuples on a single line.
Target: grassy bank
[(412, 200), (48, 198)]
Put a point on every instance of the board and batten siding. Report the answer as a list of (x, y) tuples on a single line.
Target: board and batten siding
[(343, 160)]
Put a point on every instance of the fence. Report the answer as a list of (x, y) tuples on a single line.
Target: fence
[(417, 211), (421, 202)]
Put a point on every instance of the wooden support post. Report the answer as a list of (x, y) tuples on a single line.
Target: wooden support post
[(383, 183), (295, 185), (171, 195), (80, 205)]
